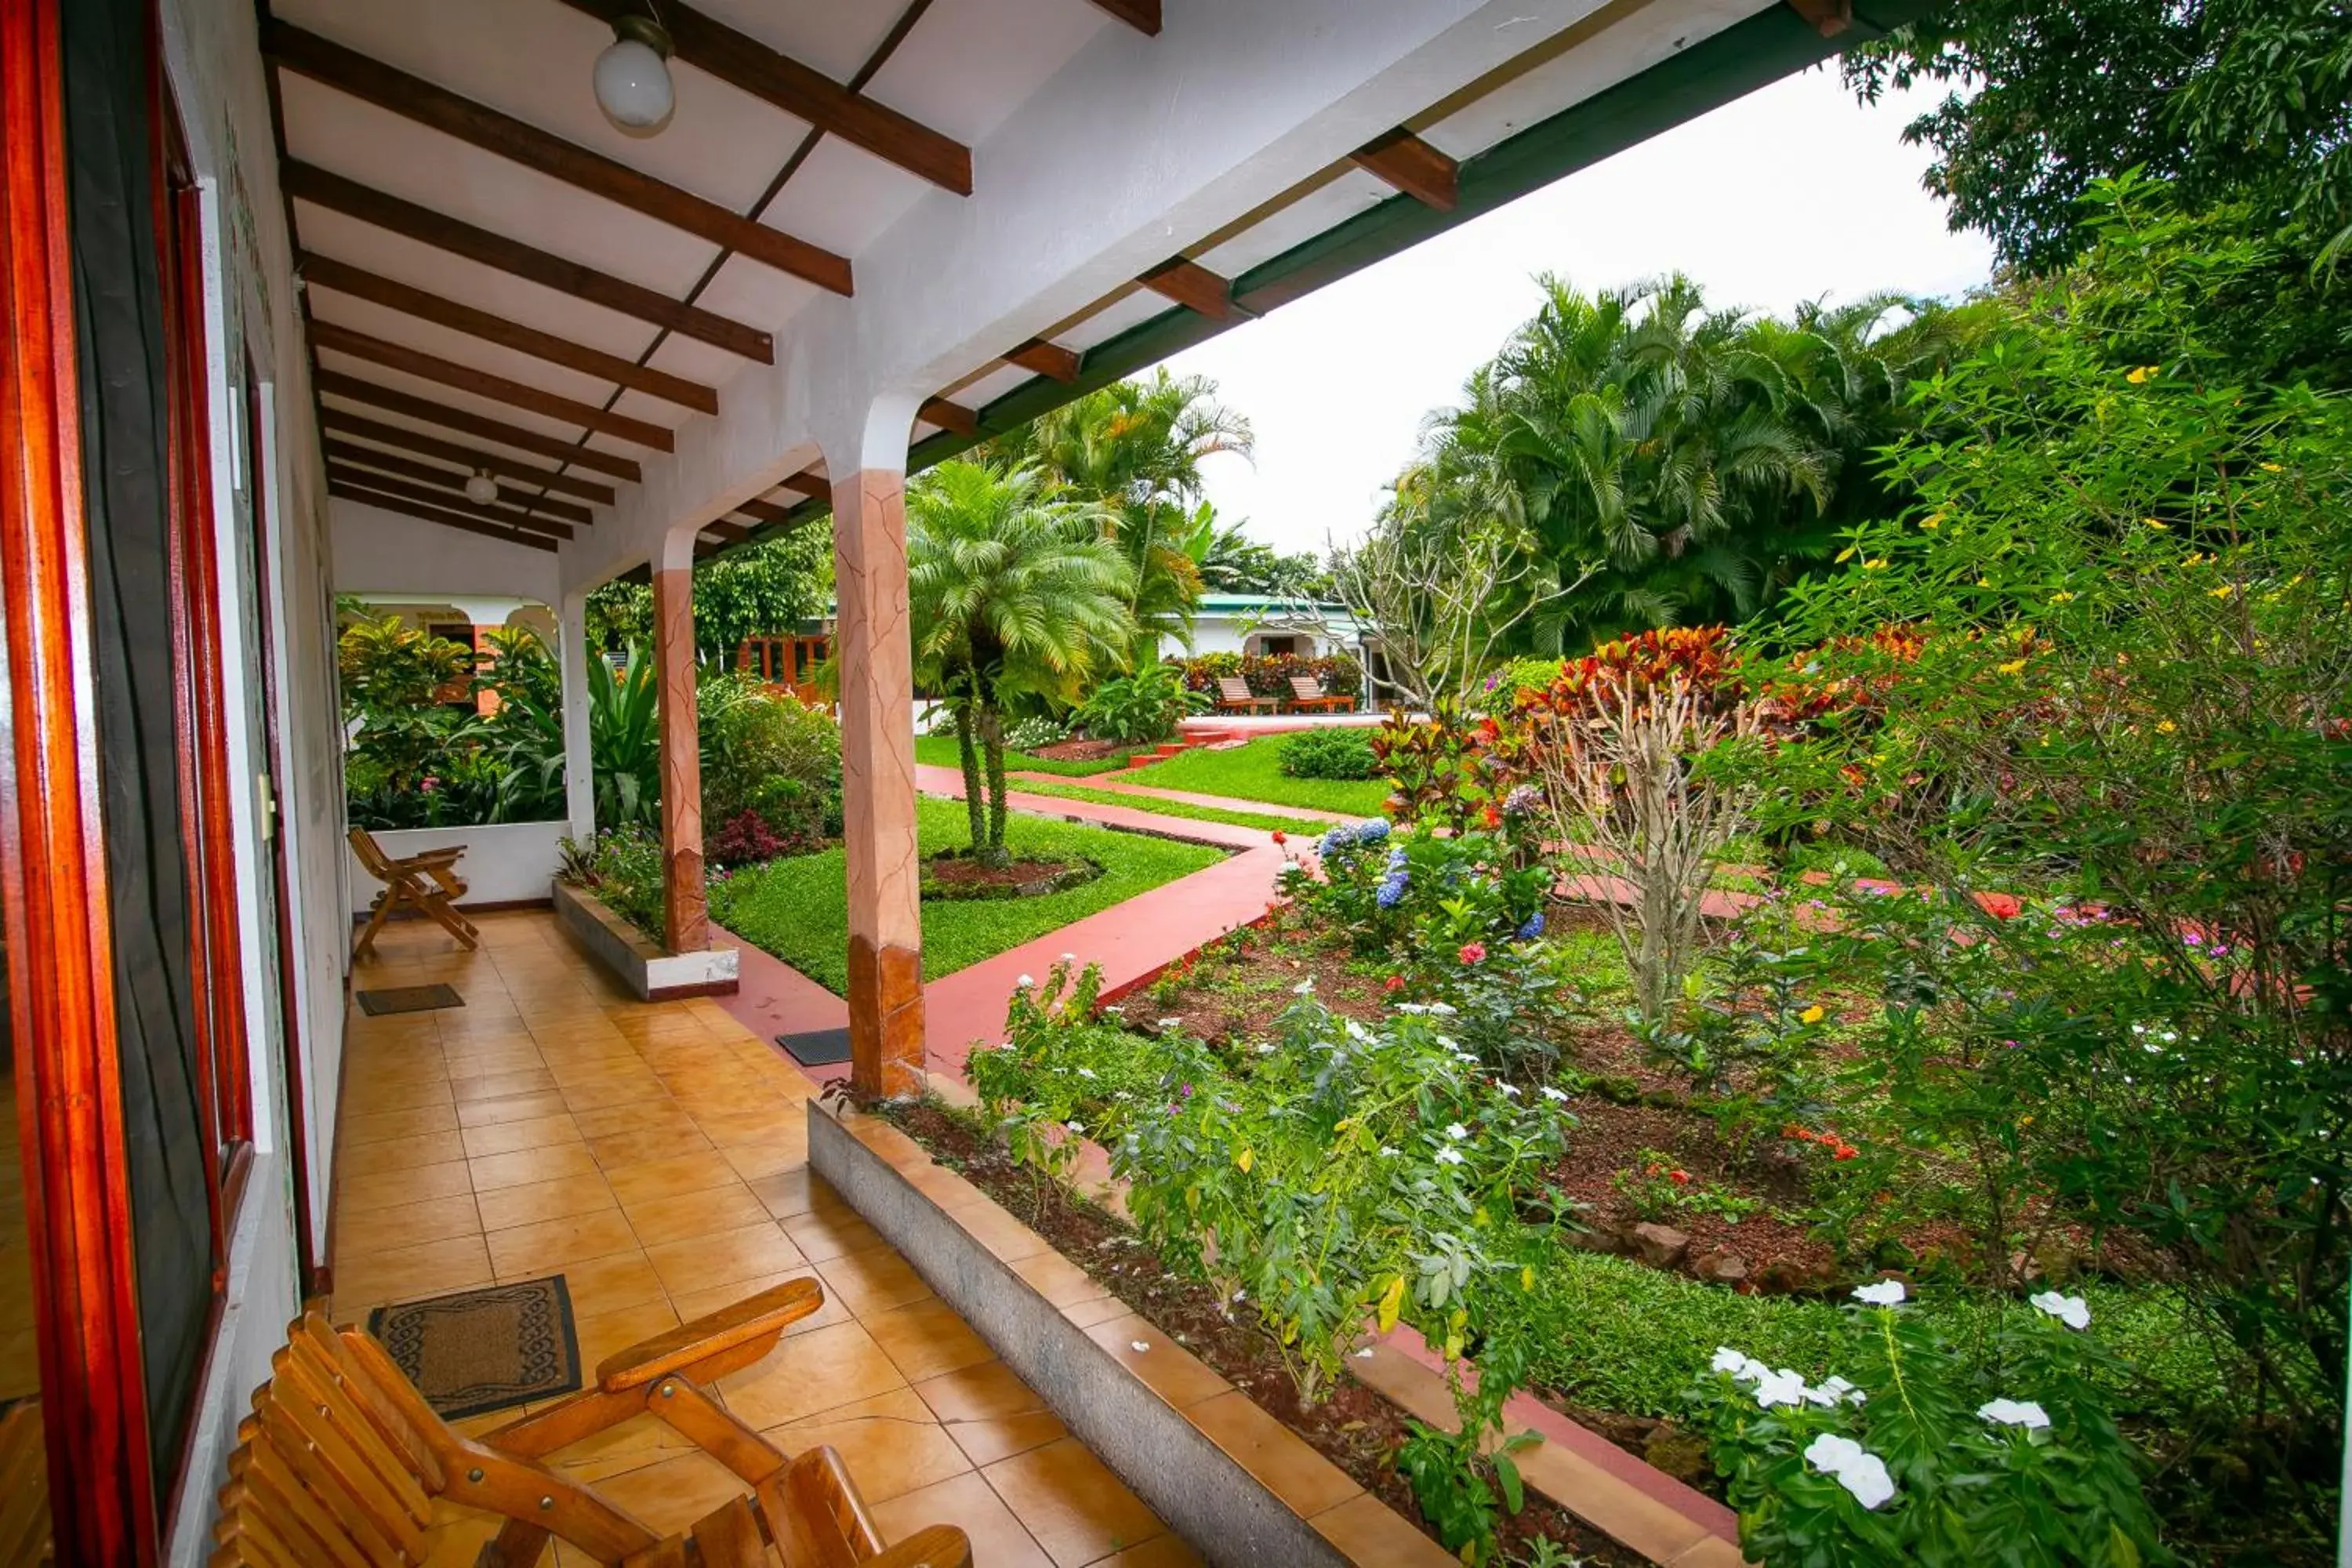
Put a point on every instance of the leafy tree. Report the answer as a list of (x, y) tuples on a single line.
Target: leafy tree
[(2233, 99), (1012, 592), (1236, 563), (758, 591)]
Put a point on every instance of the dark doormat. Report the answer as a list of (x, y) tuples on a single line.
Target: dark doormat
[(478, 1351), (409, 999), (817, 1048)]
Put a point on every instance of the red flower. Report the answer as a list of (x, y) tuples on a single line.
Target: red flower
[(1845, 1152), (1278, 838), (1679, 1178), (1474, 952), (1393, 984), (1493, 817)]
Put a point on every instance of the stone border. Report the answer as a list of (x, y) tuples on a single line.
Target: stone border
[(1241, 1488), (651, 975)]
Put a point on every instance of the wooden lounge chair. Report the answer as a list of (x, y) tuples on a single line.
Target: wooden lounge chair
[(1234, 693), (341, 1461), (25, 1536), (1306, 692), (428, 883)]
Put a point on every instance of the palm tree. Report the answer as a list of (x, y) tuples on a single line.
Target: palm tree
[(1012, 592), (1137, 446)]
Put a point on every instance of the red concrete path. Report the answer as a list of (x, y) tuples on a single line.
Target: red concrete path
[(1307, 816)]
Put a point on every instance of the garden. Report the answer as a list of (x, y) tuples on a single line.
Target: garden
[(1886, 1063)]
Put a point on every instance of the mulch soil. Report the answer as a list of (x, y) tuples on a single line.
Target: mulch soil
[(963, 871), (1081, 751), (1352, 1425)]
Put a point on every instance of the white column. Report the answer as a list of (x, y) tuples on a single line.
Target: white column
[(573, 654)]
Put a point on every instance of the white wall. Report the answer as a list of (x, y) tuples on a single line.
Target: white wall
[(379, 551), (505, 863)]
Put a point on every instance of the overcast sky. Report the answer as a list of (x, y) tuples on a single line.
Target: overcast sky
[(1793, 192)]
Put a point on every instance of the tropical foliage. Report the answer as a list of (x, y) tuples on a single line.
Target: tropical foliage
[(421, 754), (760, 590)]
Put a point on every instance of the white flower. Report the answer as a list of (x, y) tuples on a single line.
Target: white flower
[(2022, 1413), (1025, 983), (1449, 1156), (1085, 1072), (1558, 1096), (1836, 1388), (1167, 1023), (1883, 1293), (1387, 1152), (1069, 958), (1441, 1010), (1415, 1008), (1507, 1088), (1739, 1364), (2070, 1311), (1075, 1126), (1455, 1131), (1357, 1031), (1830, 1453), (1867, 1480), (1782, 1388), (1138, 1346), (1305, 987)]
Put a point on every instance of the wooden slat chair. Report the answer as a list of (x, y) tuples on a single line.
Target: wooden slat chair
[(1233, 692), (341, 1461), (428, 883), (1306, 692), (24, 1538)]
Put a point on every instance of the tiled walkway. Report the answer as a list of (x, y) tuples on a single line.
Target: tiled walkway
[(656, 1157)]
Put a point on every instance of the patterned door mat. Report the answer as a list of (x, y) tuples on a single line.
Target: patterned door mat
[(817, 1048), (474, 1352), (409, 999)]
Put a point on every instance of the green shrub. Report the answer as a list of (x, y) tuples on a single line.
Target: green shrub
[(1328, 754), (623, 867), (771, 758), (1146, 706)]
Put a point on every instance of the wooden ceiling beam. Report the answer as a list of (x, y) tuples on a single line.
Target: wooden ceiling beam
[(727, 533), (1043, 358), (325, 272), (807, 482), (478, 125), (426, 495), (309, 182), (1827, 18), (467, 458), (358, 390), (765, 512), (743, 61), (1192, 286), (349, 492), (351, 454), (482, 383), (1143, 16), (948, 416), (1413, 167)]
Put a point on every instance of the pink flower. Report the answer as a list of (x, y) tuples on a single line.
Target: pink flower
[(1474, 953), (1679, 1178), (1393, 984)]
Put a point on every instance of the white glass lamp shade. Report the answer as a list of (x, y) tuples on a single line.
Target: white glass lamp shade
[(481, 490), (631, 78)]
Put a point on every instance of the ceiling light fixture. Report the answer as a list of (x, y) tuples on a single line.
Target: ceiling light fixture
[(631, 77), (480, 489)]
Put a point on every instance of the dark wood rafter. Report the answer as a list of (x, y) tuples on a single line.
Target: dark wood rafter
[(1143, 16), (431, 513), (472, 459), (325, 272), (1827, 18), (351, 455), (764, 511), (807, 482), (412, 497), (359, 389), (1192, 286), (1043, 358), (727, 533), (426, 495), (1413, 167), (348, 71), (744, 62), (309, 182), (54, 891), (328, 336), (948, 416)]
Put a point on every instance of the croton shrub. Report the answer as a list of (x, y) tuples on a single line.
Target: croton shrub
[(1268, 675)]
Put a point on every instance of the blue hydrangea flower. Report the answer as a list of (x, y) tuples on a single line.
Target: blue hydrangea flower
[(1534, 928), (1391, 888), (1372, 832), (1333, 842)]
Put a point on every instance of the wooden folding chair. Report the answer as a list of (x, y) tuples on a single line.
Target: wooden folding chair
[(428, 883), (1306, 692), (24, 1538), (341, 1461), (1233, 692)]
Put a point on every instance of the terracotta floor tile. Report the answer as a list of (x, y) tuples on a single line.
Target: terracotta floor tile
[(1179, 1376), (512, 1108), (969, 1503), (608, 1284), (666, 1178), (889, 1442), (526, 1251), (784, 1191), (1062, 1282), (809, 1372), (989, 1411), (872, 1281), (457, 1541), (694, 1304), (999, 1232), (556, 1162), (672, 1495), (1373, 1535), (1272, 1452), (644, 1116), (409, 1273), (393, 1189), (638, 1146), (822, 1234), (410, 1095), (1068, 1499), (479, 1060), (1160, 1551), (632, 1446), (691, 1214), (501, 1085), (406, 1224), (776, 1131), (508, 1206), (723, 1257), (397, 1154), (507, 1137), (607, 1333), (925, 1338), (602, 1089)]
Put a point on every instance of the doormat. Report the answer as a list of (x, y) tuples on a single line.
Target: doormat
[(817, 1048), (478, 1351), (409, 999)]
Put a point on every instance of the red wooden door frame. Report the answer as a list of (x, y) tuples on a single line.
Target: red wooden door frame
[(77, 1191)]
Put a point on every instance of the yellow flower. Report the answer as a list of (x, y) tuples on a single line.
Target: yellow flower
[(1984, 581), (2012, 667), (1526, 1277), (1811, 1014), (1933, 520), (2159, 527), (2273, 468), (1843, 556), (2141, 374), (2166, 727), (1246, 1159), (2062, 597), (1392, 1302), (1876, 564), (2196, 558), (2224, 592)]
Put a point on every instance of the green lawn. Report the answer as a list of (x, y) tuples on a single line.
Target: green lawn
[(941, 752), (1255, 772), (797, 909), (1134, 802)]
